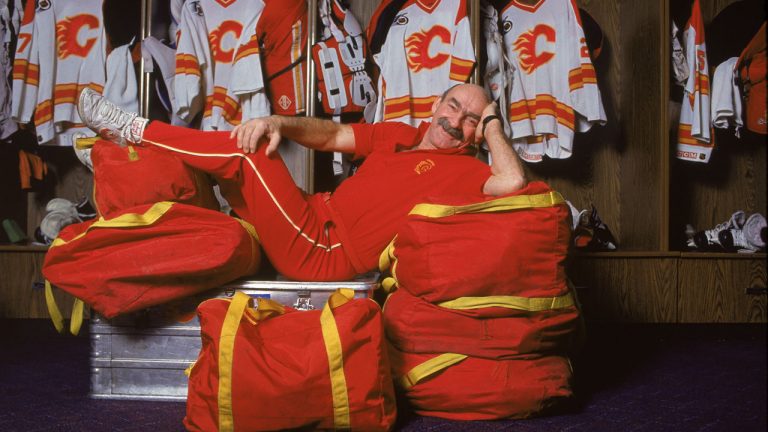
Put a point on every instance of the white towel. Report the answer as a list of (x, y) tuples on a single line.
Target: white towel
[(726, 97)]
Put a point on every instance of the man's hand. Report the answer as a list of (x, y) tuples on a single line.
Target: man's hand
[(490, 109), (254, 132)]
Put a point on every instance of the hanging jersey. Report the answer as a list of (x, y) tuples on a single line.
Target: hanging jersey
[(427, 50), (173, 27), (7, 125), (247, 83), (210, 32), (282, 32), (554, 89), (60, 50), (694, 139)]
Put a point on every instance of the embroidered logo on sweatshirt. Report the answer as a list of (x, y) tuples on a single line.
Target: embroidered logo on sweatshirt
[(424, 166)]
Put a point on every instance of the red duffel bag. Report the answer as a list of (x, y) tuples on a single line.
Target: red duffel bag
[(151, 255), (459, 387), (275, 368), (522, 327), (125, 177), (514, 245)]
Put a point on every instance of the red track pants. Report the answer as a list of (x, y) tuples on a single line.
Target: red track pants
[(294, 228)]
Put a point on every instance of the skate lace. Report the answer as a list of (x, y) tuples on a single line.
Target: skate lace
[(119, 118)]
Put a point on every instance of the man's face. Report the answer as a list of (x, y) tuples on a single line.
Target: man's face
[(456, 117)]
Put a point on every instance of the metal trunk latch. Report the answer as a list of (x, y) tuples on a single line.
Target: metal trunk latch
[(304, 301)]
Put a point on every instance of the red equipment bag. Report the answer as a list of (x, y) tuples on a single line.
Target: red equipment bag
[(276, 368), (458, 387), (513, 245), (483, 314), (154, 254), (500, 328), (125, 177)]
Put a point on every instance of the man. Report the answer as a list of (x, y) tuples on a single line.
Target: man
[(333, 236)]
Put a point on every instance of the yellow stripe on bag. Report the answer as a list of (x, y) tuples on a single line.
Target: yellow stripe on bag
[(516, 202), (226, 354), (341, 417), (127, 220), (530, 304), (428, 368)]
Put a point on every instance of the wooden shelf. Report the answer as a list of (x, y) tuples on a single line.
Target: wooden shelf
[(23, 248)]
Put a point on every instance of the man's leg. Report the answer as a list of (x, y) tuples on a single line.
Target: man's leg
[(293, 228)]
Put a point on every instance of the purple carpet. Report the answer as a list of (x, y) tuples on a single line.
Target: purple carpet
[(628, 378)]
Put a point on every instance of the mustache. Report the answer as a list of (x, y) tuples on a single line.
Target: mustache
[(452, 131)]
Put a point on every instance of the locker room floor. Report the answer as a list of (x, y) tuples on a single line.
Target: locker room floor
[(651, 378)]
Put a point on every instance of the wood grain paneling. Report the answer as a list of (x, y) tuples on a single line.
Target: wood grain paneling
[(715, 290), (21, 289), (643, 159), (627, 289)]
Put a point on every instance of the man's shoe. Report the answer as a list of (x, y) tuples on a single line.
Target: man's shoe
[(109, 120)]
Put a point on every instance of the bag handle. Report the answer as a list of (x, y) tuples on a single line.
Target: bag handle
[(333, 349), (429, 368), (76, 316), (232, 319), (516, 202), (239, 306)]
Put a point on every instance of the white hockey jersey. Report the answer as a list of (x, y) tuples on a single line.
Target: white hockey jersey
[(554, 89), (7, 29), (210, 33), (694, 139), (61, 49), (428, 49)]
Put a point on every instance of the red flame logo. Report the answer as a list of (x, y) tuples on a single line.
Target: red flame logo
[(216, 39), (67, 32), (525, 45), (418, 47)]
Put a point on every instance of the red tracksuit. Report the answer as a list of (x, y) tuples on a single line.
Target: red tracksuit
[(327, 236)]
